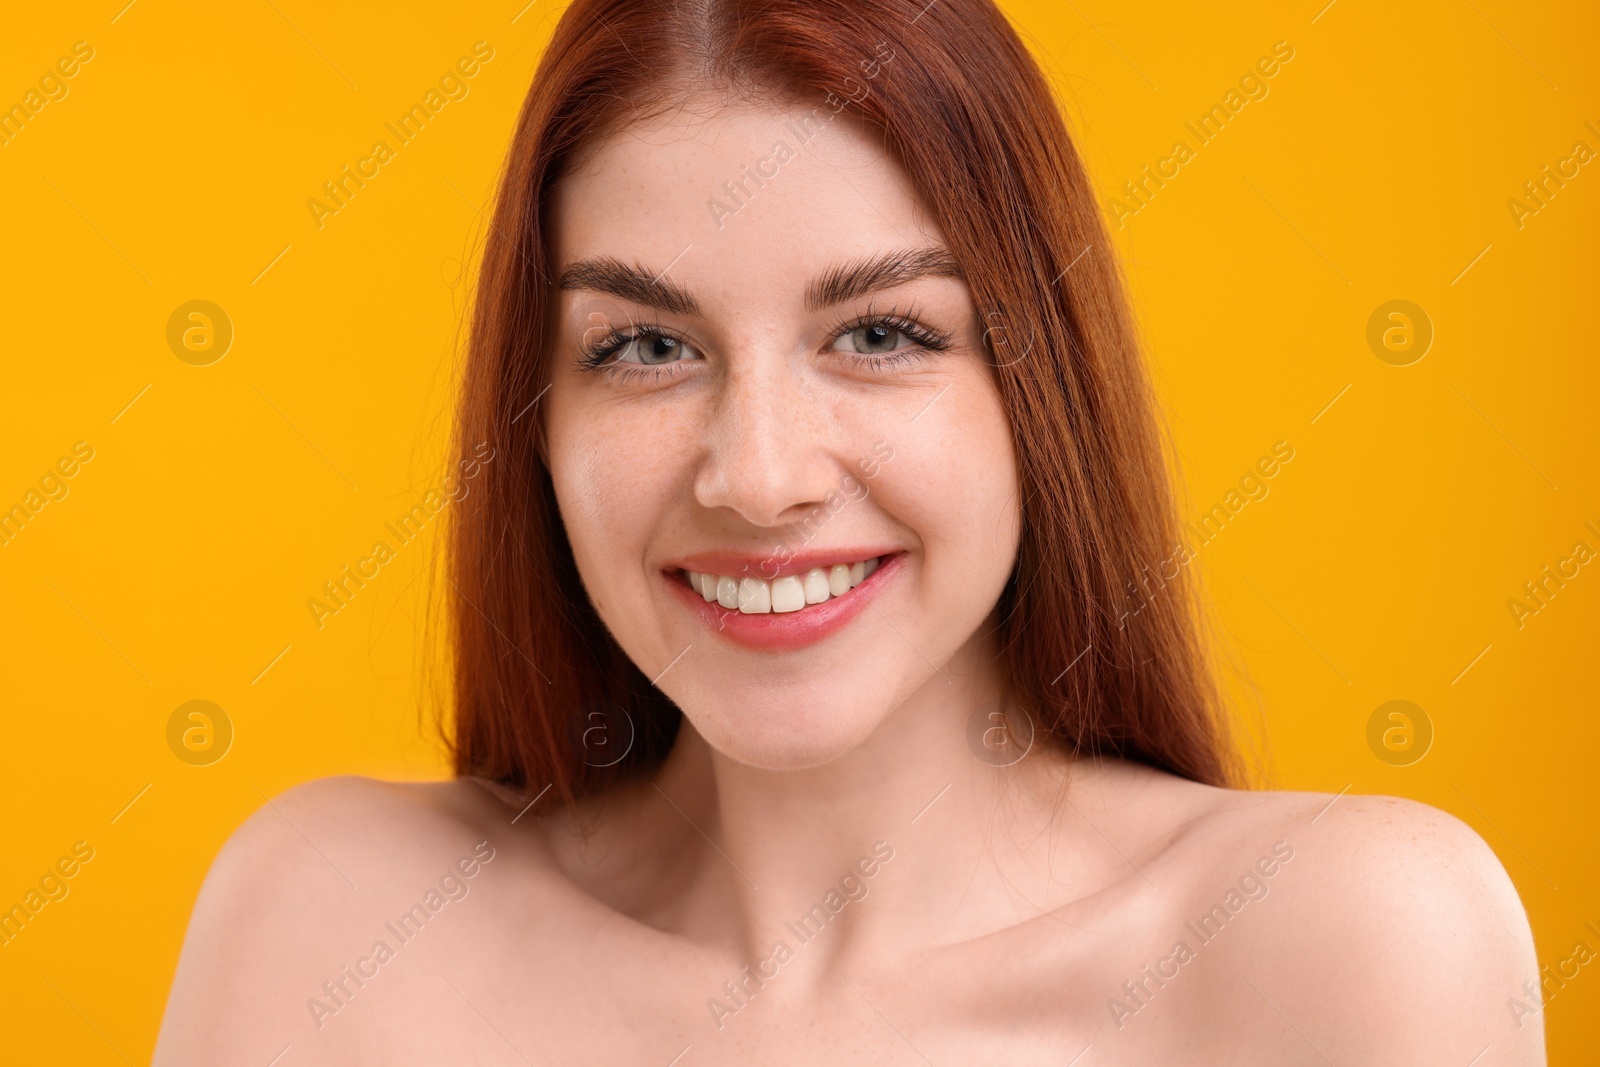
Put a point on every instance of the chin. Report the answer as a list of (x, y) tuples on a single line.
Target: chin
[(788, 728)]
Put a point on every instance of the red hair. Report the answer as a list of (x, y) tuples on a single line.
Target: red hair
[(967, 113)]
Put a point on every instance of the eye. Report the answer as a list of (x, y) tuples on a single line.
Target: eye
[(654, 349), (875, 339), (638, 346)]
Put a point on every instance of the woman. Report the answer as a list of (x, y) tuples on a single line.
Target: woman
[(827, 685)]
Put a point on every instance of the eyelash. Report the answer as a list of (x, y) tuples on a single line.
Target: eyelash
[(597, 355), (926, 338)]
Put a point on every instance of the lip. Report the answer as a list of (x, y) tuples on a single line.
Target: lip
[(768, 568), (786, 630)]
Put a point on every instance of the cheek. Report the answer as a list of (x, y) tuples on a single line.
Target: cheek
[(616, 475), (953, 480)]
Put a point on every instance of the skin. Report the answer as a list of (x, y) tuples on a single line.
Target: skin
[(1016, 902)]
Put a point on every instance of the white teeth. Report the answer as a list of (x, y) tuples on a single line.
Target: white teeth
[(755, 597), (839, 579), (792, 592), (788, 594)]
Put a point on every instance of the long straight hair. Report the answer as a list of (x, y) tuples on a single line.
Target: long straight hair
[(1098, 626)]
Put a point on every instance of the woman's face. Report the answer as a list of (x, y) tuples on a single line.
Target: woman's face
[(782, 462)]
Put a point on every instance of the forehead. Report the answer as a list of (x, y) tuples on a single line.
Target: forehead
[(738, 201)]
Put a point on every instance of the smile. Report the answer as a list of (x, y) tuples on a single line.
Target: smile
[(817, 598), (794, 592)]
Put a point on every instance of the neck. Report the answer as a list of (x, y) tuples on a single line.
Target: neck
[(914, 804)]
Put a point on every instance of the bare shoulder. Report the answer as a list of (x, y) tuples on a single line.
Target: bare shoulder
[(1374, 929), (329, 833), (1387, 864), (302, 886)]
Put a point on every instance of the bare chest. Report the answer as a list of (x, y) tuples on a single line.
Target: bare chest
[(612, 992)]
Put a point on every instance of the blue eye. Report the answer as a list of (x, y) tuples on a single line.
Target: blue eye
[(886, 335), (874, 340), (655, 349), (643, 348)]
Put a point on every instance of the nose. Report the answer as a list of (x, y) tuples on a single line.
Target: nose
[(768, 445)]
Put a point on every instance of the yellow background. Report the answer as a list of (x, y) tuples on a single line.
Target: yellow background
[(179, 565)]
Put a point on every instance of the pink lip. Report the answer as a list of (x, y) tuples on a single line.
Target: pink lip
[(789, 630), (777, 565)]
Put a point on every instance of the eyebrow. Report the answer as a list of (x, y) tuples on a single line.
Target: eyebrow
[(848, 281), (836, 285), (631, 282)]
